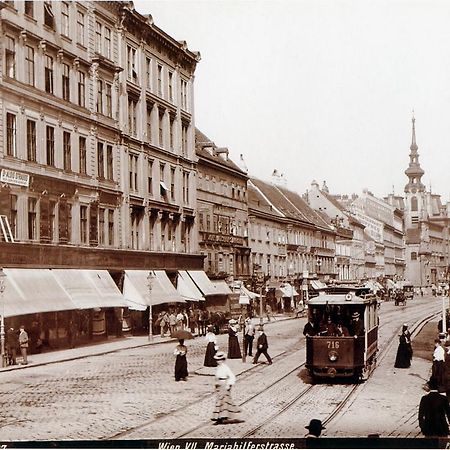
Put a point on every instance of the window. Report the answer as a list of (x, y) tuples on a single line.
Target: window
[(108, 97), (69, 222), (84, 224), (101, 226), (50, 146), (131, 64), (13, 215), (172, 183), (186, 187), (49, 18), (107, 42), (48, 74), (413, 256), (81, 88), (414, 204), (184, 137), (148, 66), (150, 177), (99, 96), (80, 27), (65, 18), (149, 123), (11, 144), (31, 140), (29, 8), (109, 163), (133, 167), (100, 161), (171, 86), (132, 116), (32, 230), (82, 150), (10, 57), (161, 130), (67, 150), (171, 133), (66, 82), (110, 227), (52, 219), (160, 80), (29, 65), (98, 37), (184, 94)]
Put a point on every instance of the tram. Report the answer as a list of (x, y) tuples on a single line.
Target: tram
[(342, 334)]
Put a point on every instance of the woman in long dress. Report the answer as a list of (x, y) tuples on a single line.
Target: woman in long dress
[(234, 350), (224, 409), (211, 348), (404, 352), (181, 370)]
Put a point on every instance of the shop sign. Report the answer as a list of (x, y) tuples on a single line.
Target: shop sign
[(13, 177)]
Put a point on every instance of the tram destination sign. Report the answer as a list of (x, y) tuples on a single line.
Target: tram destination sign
[(13, 177)]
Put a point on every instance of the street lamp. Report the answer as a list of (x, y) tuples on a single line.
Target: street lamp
[(150, 280), (2, 322)]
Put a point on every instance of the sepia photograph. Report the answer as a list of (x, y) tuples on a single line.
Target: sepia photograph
[(224, 224)]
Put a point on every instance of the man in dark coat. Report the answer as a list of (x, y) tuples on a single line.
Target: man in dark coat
[(357, 326), (434, 412), (309, 329), (262, 346)]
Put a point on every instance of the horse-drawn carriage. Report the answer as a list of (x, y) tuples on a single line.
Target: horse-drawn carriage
[(399, 298)]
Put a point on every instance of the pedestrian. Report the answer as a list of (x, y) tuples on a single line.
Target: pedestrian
[(162, 322), (357, 326), (11, 346), (404, 351), (438, 367), (180, 320), (201, 322), (261, 346), (314, 428), (23, 344), (172, 322), (234, 350), (225, 409), (181, 367), (434, 412), (269, 313), (249, 335), (193, 320), (211, 348), (421, 292)]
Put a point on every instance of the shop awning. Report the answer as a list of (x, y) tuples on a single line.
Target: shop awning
[(390, 284), (89, 288), (221, 286), (29, 291), (318, 285), (244, 299), (250, 294), (187, 288), (204, 284), (288, 290), (137, 293)]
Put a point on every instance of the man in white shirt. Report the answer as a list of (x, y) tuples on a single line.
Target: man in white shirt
[(249, 335)]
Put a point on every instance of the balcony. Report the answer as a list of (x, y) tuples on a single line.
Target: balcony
[(344, 232), (323, 251), (296, 248)]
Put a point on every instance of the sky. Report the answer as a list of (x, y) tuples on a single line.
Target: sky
[(321, 89)]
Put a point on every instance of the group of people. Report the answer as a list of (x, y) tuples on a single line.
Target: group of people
[(225, 409), (14, 341), (329, 327)]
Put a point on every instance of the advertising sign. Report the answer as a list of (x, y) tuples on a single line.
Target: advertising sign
[(13, 177)]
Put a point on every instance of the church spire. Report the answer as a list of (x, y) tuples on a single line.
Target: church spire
[(414, 172)]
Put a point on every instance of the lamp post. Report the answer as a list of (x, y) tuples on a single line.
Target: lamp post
[(2, 322), (150, 280)]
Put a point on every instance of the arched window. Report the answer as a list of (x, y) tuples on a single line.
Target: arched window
[(413, 256), (414, 204)]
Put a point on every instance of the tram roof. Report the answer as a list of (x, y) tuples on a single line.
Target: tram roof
[(341, 299)]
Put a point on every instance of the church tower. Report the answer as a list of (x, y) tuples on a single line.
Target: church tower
[(414, 190)]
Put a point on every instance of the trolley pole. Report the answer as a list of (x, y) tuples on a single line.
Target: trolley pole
[(261, 320)]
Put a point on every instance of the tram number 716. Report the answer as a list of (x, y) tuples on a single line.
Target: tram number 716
[(332, 344)]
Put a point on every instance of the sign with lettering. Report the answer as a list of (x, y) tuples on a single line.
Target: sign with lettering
[(13, 177)]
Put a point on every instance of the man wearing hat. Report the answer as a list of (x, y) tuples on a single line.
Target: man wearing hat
[(314, 428), (434, 412), (249, 335), (357, 326), (262, 346)]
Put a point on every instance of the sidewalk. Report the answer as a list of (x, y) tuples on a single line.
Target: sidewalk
[(101, 348)]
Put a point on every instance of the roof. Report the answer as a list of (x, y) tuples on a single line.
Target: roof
[(333, 201), (290, 204), (338, 299), (202, 153), (257, 202)]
